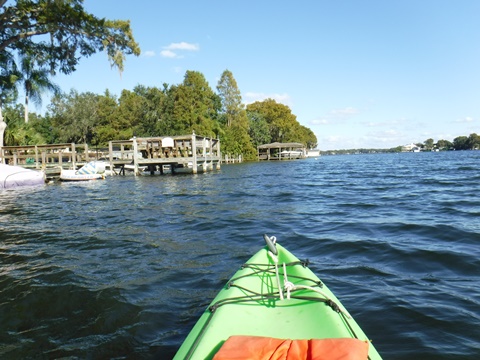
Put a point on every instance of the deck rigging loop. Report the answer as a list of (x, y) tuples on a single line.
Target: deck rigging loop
[(273, 252), (288, 290), (271, 241), (288, 286)]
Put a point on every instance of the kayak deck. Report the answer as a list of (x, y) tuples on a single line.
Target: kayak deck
[(285, 301)]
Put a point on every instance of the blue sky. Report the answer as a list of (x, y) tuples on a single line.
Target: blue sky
[(360, 74)]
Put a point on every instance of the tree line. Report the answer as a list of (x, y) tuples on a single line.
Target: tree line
[(191, 106), (471, 142)]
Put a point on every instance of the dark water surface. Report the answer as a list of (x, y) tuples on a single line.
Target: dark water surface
[(122, 268)]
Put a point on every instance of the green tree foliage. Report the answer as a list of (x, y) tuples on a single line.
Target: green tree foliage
[(62, 32), (140, 111), (460, 143), (444, 145), (236, 142), (107, 127), (236, 139), (474, 142), (19, 133), (129, 114), (308, 137), (168, 124), (57, 34), (35, 80), (75, 116), (195, 105), (9, 74), (153, 100), (171, 110), (43, 127), (283, 125), (258, 129), (471, 142), (276, 115), (428, 144), (231, 99)]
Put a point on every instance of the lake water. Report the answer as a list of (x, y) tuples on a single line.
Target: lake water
[(122, 268)]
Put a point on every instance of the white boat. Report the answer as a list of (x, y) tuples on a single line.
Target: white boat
[(291, 154), (72, 175), (16, 176), (313, 153), (109, 171), (131, 167), (94, 170)]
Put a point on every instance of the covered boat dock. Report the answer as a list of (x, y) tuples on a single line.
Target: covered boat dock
[(281, 151)]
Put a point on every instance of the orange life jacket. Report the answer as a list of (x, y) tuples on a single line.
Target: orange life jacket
[(266, 348)]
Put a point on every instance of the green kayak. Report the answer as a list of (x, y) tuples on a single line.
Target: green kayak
[(272, 303)]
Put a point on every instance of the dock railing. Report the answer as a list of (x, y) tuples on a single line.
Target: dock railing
[(68, 155), (191, 153)]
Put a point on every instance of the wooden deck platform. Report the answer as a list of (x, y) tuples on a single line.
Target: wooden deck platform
[(186, 153)]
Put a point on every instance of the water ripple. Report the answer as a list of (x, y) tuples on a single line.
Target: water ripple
[(122, 268)]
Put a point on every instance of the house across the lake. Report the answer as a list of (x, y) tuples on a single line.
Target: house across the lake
[(410, 148)]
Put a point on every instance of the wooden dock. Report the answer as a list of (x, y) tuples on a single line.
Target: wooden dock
[(172, 154), (187, 153), (50, 158)]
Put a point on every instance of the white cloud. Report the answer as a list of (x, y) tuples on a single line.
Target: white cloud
[(183, 46), (251, 97), (149, 53), (466, 119), (169, 54), (347, 112), (336, 116), (320, 122), (335, 142), (171, 51), (391, 132), (385, 135), (333, 139), (395, 122), (358, 139)]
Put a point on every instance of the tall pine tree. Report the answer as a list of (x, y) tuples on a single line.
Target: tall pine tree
[(236, 137)]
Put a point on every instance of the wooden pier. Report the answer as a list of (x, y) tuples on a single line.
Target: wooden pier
[(173, 154), (186, 153)]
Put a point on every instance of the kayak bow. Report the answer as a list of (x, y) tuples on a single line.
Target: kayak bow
[(276, 302)]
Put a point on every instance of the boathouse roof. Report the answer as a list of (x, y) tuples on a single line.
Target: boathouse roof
[(281, 145)]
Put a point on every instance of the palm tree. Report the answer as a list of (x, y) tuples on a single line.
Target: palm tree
[(8, 76), (3, 125), (35, 80)]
